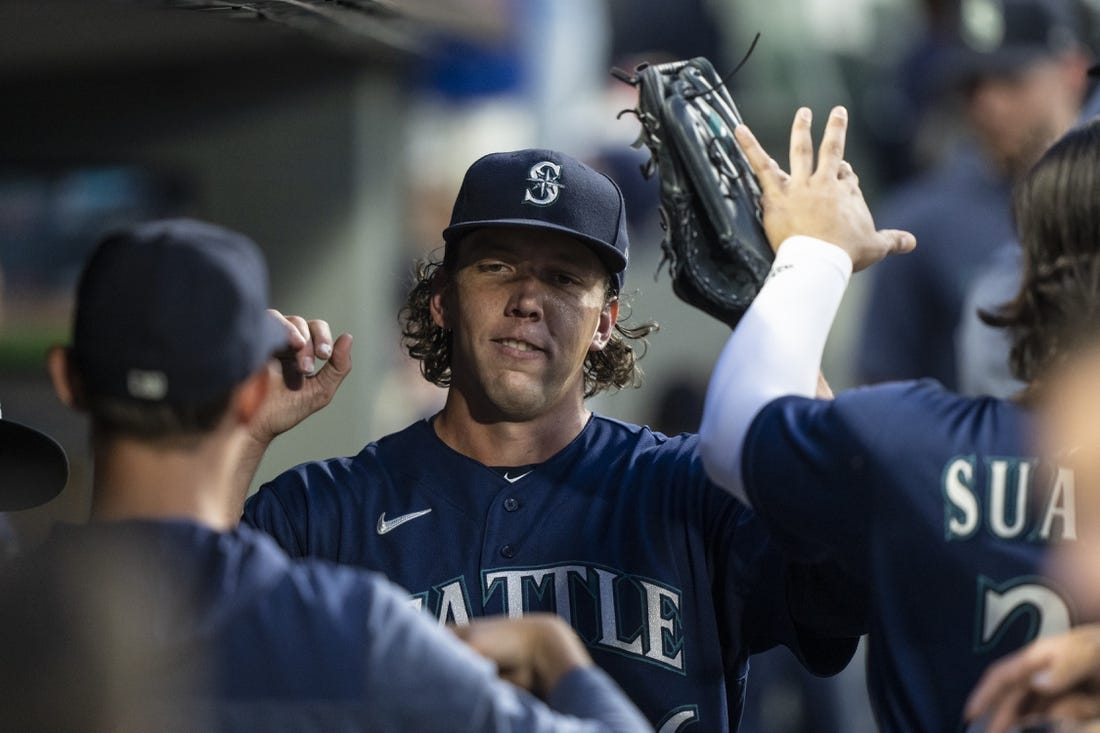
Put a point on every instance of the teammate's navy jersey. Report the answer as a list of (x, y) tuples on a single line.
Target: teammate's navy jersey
[(938, 502), (204, 630), (670, 581)]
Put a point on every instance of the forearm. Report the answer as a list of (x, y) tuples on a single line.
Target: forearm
[(775, 350), (251, 455)]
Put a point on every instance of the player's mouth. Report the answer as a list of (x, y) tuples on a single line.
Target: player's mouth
[(517, 345)]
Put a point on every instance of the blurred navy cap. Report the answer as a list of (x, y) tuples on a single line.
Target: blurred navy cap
[(997, 37), (173, 311), (543, 189), (33, 467)]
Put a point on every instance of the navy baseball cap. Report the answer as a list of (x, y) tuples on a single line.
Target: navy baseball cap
[(173, 311), (543, 189), (995, 37), (33, 467)]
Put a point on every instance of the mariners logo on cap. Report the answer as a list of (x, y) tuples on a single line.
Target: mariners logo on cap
[(983, 24), (545, 180)]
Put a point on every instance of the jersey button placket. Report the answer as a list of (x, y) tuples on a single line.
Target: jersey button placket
[(508, 551), (511, 504)]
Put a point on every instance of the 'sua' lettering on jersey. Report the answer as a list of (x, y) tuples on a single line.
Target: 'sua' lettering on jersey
[(937, 501), (1019, 500)]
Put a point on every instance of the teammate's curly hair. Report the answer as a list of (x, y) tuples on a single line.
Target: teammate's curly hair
[(1057, 216), (614, 367)]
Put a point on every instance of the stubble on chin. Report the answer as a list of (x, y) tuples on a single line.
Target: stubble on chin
[(514, 398)]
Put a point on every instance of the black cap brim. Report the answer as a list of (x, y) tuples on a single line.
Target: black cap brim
[(33, 467)]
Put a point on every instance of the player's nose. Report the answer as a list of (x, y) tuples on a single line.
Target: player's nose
[(525, 297)]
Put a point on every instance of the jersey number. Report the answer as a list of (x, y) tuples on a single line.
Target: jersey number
[(998, 606)]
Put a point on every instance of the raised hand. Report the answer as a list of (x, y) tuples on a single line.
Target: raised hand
[(303, 391), (823, 201)]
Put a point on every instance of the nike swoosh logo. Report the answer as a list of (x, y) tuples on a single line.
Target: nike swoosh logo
[(512, 480), (384, 526)]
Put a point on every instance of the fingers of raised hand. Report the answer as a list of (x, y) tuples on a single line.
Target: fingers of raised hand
[(309, 340), (295, 337), (304, 350), (768, 172), (802, 145), (321, 336), (332, 374), (880, 244), (898, 241), (831, 153)]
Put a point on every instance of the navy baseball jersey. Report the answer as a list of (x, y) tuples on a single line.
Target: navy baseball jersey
[(670, 581), (203, 630), (938, 502)]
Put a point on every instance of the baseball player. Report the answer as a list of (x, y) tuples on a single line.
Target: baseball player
[(515, 498), (936, 500), (162, 614)]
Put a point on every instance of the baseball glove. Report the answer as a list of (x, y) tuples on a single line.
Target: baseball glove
[(714, 242)]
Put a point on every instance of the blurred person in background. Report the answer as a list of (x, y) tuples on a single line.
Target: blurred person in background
[(981, 349), (1020, 67)]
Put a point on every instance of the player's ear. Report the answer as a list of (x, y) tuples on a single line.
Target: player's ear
[(439, 288), (608, 317), (249, 396), (65, 378)]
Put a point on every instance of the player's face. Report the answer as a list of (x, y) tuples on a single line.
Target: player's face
[(525, 306), (1017, 116)]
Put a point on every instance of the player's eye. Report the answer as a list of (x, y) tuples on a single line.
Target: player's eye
[(492, 266), (567, 278)]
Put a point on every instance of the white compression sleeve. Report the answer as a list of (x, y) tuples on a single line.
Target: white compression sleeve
[(774, 351)]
